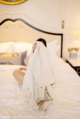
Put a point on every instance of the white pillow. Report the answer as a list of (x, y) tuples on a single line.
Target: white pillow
[(15, 47), (6, 47), (22, 46), (54, 49)]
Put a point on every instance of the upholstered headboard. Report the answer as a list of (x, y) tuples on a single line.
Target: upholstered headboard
[(18, 30)]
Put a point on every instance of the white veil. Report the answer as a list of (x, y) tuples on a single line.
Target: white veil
[(38, 77)]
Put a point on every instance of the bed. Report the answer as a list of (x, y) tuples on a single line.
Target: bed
[(15, 36)]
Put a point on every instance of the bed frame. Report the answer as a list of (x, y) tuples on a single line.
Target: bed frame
[(18, 30)]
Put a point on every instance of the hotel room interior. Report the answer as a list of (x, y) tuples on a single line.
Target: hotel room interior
[(22, 22)]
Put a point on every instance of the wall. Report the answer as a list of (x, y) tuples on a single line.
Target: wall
[(44, 14), (72, 24), (48, 15)]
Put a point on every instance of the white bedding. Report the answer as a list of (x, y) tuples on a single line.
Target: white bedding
[(66, 94)]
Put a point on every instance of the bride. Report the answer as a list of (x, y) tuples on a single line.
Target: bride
[(37, 79)]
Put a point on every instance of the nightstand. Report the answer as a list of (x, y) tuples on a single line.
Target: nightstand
[(74, 63)]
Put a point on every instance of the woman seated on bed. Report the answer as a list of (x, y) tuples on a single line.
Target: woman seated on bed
[(19, 74), (37, 80)]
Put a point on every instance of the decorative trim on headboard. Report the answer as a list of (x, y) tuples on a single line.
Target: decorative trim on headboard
[(46, 32)]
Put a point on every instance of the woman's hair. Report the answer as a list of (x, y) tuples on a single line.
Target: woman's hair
[(43, 41)]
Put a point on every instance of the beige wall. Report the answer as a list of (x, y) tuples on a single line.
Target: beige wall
[(72, 23)]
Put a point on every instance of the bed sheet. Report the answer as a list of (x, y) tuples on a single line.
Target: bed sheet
[(66, 95)]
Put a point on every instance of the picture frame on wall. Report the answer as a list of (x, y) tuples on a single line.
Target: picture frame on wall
[(12, 2)]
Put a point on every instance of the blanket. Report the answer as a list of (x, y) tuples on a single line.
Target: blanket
[(38, 79)]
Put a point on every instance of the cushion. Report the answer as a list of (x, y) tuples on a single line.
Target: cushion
[(13, 58), (23, 46), (53, 46), (15, 47), (6, 47), (54, 49)]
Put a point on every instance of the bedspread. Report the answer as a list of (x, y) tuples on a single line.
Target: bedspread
[(66, 95)]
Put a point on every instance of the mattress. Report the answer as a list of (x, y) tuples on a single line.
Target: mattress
[(66, 95)]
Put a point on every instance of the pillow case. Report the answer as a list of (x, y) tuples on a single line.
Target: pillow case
[(13, 58), (22, 46), (16, 47), (6, 47), (54, 49)]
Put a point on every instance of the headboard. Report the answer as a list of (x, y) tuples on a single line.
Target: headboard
[(18, 30)]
